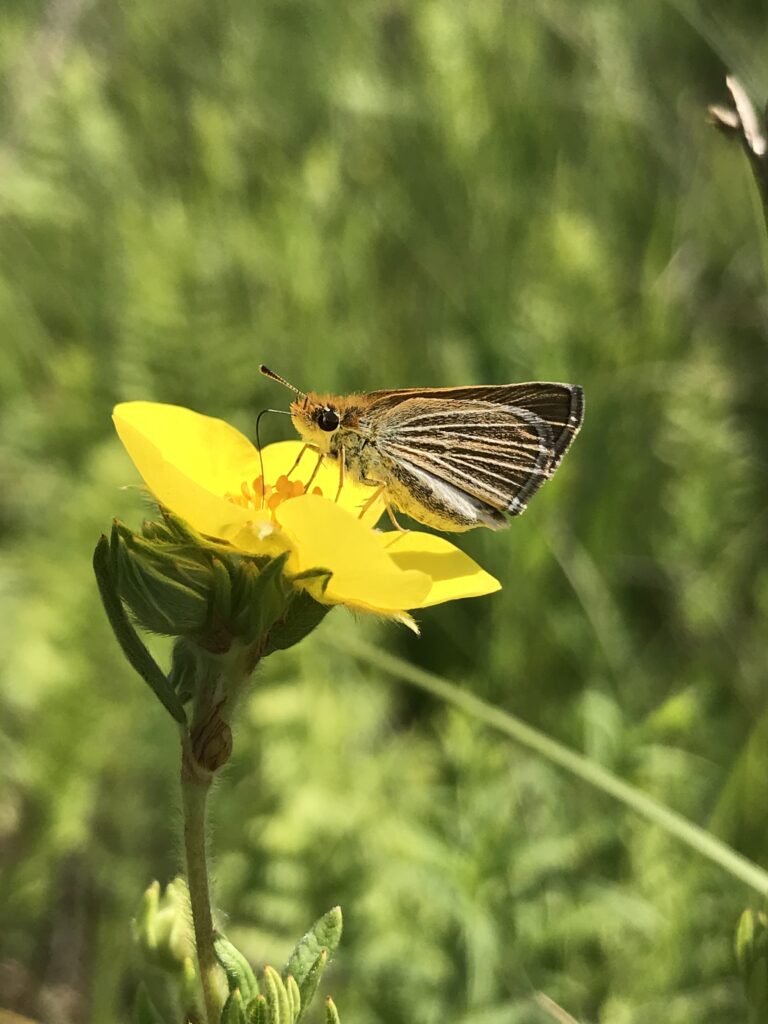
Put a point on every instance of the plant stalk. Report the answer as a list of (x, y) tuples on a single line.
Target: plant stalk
[(694, 836), (195, 785)]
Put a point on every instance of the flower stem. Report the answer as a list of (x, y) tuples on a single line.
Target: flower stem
[(195, 785)]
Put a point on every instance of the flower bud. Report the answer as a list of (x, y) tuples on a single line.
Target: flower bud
[(752, 958), (226, 608), (211, 741), (163, 927), (168, 592)]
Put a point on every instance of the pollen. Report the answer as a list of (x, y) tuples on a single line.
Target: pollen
[(260, 495)]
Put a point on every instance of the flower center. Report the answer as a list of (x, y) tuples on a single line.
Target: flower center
[(260, 495)]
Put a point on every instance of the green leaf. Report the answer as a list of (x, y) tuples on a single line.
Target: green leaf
[(331, 1013), (294, 997), (277, 997), (234, 1009), (311, 955), (130, 643), (325, 934), (236, 967), (144, 1010), (145, 925), (752, 959), (189, 987), (303, 615), (745, 937), (308, 985)]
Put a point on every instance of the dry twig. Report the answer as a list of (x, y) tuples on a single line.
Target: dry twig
[(743, 122)]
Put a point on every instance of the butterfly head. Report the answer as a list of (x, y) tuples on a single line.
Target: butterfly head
[(317, 419)]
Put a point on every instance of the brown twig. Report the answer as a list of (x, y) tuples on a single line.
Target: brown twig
[(742, 122), (553, 1009)]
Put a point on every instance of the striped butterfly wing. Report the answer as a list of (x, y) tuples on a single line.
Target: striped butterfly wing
[(498, 444)]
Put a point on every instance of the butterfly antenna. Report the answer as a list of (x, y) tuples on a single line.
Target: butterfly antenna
[(280, 412), (281, 380)]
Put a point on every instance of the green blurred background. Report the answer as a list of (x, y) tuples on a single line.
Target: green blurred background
[(371, 195)]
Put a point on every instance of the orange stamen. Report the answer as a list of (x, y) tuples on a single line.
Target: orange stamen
[(260, 495)]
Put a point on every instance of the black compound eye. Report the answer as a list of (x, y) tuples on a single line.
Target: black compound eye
[(328, 419)]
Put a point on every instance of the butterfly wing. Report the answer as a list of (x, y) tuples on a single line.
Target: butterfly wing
[(496, 445)]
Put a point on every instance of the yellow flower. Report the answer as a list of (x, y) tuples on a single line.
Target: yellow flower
[(209, 474)]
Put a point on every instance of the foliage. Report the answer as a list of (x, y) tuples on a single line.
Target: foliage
[(367, 196)]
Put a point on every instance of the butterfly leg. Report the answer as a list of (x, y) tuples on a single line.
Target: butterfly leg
[(341, 473), (298, 460), (397, 526), (308, 484), (364, 508), (390, 510)]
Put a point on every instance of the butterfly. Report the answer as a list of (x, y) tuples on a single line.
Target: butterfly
[(452, 458)]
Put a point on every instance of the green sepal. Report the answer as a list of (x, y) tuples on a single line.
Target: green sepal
[(222, 590), (214, 599), (331, 1013), (258, 1011), (294, 996), (178, 531), (158, 531), (166, 589), (324, 935), (144, 1010), (132, 647), (233, 1011), (236, 967), (304, 614), (321, 576), (260, 596), (185, 669)]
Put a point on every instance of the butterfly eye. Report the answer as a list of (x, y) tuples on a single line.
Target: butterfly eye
[(328, 419)]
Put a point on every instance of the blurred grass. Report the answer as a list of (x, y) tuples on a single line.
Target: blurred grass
[(368, 196)]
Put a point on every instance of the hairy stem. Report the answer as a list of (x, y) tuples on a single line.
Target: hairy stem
[(195, 785)]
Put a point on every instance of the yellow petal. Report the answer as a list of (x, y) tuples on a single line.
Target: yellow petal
[(207, 450), (183, 455), (189, 462), (453, 573), (326, 536)]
